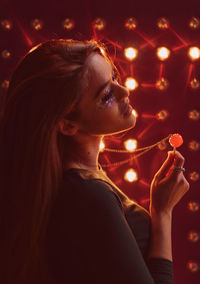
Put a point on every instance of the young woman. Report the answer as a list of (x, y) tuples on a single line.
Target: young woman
[(62, 219)]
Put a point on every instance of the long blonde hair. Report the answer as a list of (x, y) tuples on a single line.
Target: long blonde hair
[(45, 87)]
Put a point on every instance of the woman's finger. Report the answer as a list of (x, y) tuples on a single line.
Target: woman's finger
[(165, 166)]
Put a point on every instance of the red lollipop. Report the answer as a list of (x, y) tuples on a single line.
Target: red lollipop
[(176, 140)]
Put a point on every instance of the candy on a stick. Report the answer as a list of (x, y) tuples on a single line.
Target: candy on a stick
[(175, 141)]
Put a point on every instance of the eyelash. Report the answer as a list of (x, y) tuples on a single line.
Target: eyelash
[(108, 98)]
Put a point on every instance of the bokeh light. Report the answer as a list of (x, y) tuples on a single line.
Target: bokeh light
[(194, 53), (194, 23), (163, 23), (194, 83), (193, 206), (5, 84), (68, 24), (5, 54), (193, 266), (130, 53), (99, 24), (163, 53), (162, 115), (194, 114), (130, 24), (194, 176), (194, 145), (131, 175), (130, 144), (37, 24), (162, 84), (131, 84), (6, 24), (193, 236)]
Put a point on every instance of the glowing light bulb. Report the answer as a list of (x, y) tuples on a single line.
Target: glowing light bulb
[(37, 24), (99, 24), (102, 146), (130, 24), (68, 24), (193, 206), (176, 140), (194, 145), (130, 144), (130, 53), (162, 84), (194, 83), (193, 236), (6, 25), (163, 23), (194, 23), (194, 53), (193, 266), (162, 115), (131, 175), (194, 176), (5, 54), (194, 114), (163, 53), (131, 84)]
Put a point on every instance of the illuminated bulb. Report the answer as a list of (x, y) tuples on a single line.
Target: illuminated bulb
[(102, 146), (163, 23), (193, 206), (162, 84), (131, 175), (68, 24), (130, 24), (194, 114), (163, 53), (130, 53), (162, 115), (131, 84), (193, 236), (194, 176), (6, 25), (194, 23), (194, 83), (194, 53), (99, 24), (5, 54), (130, 144), (37, 24), (194, 145), (162, 145), (5, 84), (193, 266)]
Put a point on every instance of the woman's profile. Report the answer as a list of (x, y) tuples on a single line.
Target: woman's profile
[(62, 219)]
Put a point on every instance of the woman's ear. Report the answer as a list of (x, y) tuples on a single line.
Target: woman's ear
[(67, 127)]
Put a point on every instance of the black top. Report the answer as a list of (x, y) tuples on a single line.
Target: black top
[(97, 235)]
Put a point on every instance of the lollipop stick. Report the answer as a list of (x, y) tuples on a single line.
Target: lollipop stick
[(174, 150)]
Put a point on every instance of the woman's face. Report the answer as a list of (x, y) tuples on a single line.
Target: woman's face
[(102, 99)]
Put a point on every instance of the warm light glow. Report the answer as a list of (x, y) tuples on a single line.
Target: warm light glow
[(130, 24), (131, 175), (102, 146), (193, 236), (5, 54), (163, 23), (194, 145), (37, 24), (194, 23), (131, 84), (194, 53), (193, 266), (162, 115), (162, 84), (6, 25), (163, 53), (99, 24), (194, 114), (130, 53), (194, 83), (193, 206), (5, 84), (130, 144), (194, 176), (68, 24)]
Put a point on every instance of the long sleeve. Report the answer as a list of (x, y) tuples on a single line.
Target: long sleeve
[(90, 241)]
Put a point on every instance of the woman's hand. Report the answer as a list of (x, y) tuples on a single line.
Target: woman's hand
[(168, 185)]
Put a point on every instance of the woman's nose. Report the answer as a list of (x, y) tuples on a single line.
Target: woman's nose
[(123, 92)]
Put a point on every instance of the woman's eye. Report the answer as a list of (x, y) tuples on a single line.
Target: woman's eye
[(108, 99)]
